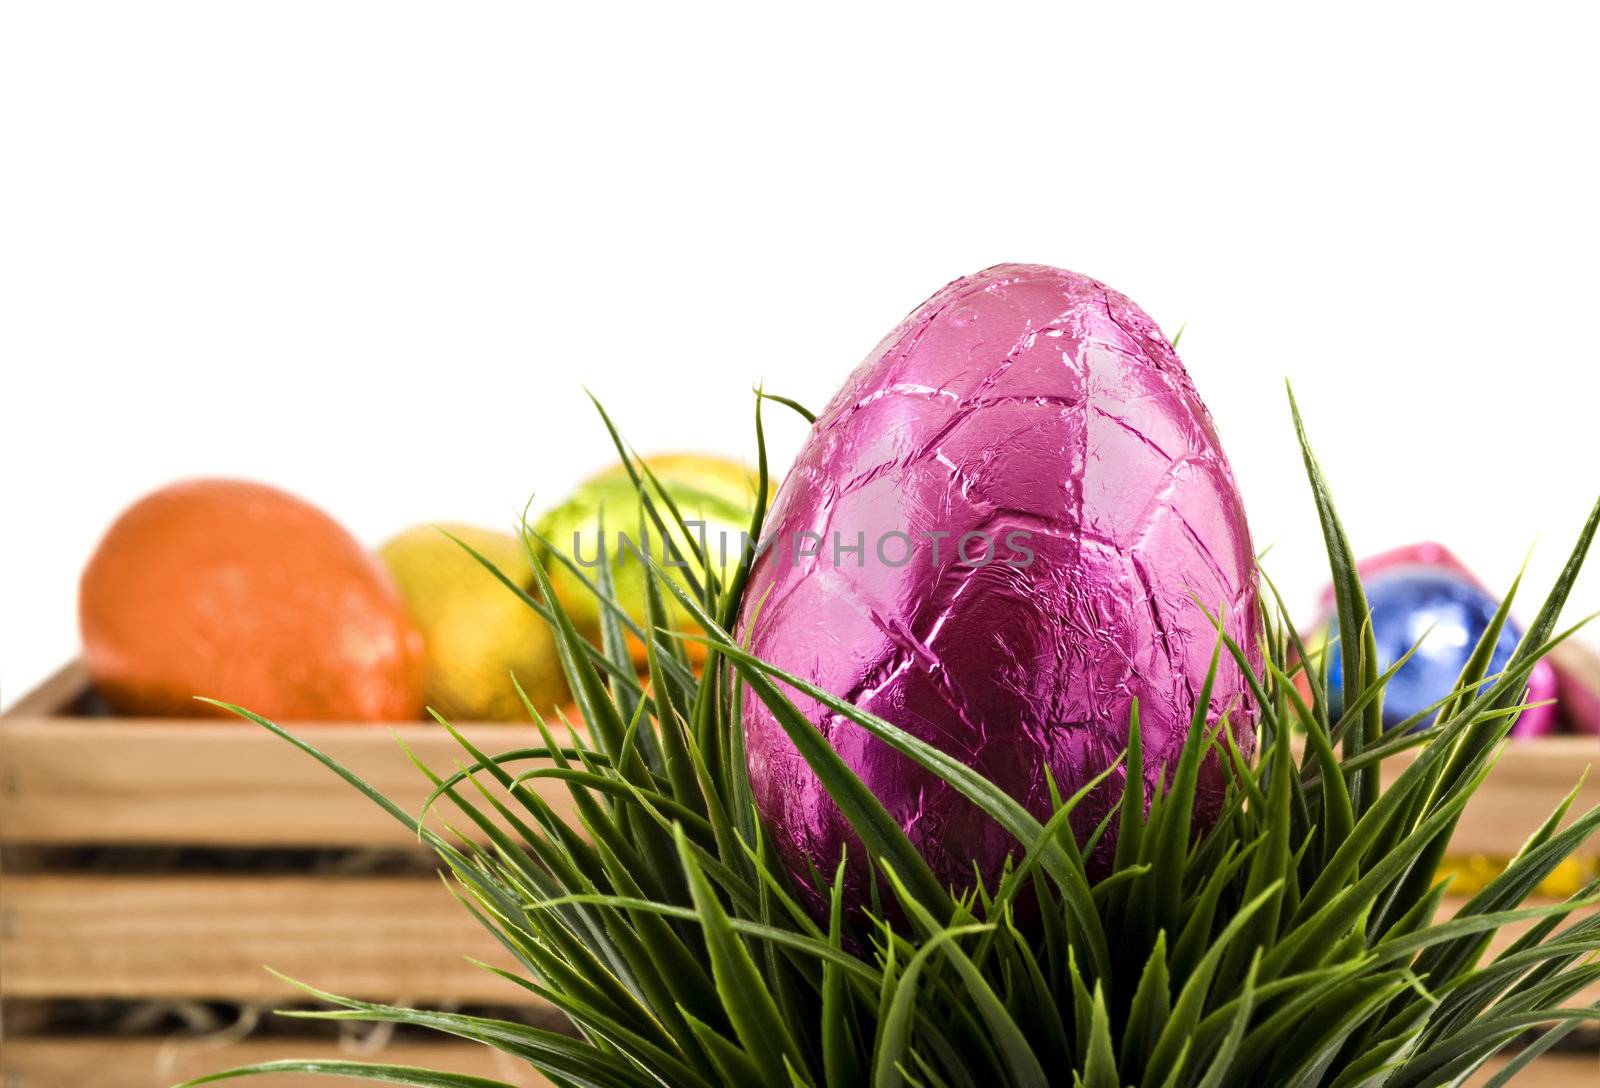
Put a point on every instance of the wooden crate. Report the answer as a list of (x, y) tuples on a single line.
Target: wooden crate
[(228, 789), (68, 780)]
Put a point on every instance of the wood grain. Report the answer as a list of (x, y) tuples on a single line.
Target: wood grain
[(71, 780), (140, 1063), (216, 783), (1548, 1071), (1525, 786), (388, 939), (54, 695), (111, 1063)]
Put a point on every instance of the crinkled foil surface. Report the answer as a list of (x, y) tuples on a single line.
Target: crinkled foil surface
[(1024, 399), (1410, 592)]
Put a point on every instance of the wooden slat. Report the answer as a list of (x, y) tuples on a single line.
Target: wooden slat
[(1548, 1071), (73, 780), (382, 938), (217, 783), (386, 939), (112, 1063), (54, 695), (1525, 786), (139, 1063)]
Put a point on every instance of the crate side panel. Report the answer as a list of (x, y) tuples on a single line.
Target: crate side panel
[(1526, 785), (69, 780), (401, 939)]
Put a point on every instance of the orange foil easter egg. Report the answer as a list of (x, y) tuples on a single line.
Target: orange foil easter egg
[(244, 593)]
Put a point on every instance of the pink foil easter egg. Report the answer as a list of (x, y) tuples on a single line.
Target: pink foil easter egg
[(995, 537), (1543, 716)]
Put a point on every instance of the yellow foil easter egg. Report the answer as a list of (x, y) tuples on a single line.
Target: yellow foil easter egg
[(478, 633)]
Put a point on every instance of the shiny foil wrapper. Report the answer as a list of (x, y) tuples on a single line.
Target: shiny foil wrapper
[(244, 593), (1409, 591), (1025, 409)]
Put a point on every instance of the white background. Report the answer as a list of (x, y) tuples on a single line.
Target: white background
[(369, 252)]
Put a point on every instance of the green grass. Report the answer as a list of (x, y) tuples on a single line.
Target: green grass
[(1294, 943)]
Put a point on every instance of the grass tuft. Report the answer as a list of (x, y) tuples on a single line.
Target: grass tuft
[(1295, 943)]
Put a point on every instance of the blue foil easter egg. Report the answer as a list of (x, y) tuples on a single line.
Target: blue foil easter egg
[(1433, 606)]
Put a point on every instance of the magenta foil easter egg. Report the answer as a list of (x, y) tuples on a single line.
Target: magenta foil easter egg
[(995, 537)]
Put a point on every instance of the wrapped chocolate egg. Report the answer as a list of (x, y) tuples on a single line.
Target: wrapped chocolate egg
[(601, 522), (995, 537), (241, 592), (1423, 596), (479, 635)]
